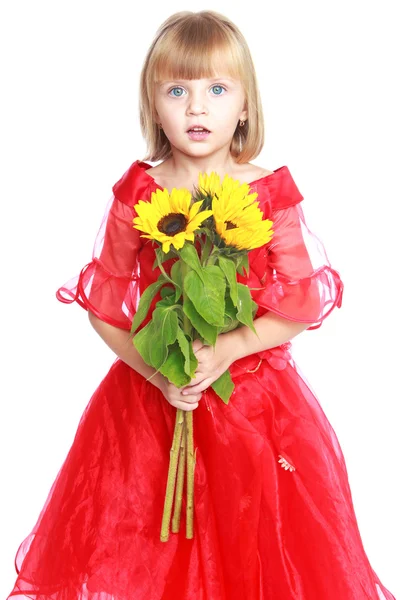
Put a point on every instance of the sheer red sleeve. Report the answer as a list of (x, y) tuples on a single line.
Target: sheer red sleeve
[(109, 284), (296, 276)]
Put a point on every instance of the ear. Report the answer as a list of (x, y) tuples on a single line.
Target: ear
[(244, 114)]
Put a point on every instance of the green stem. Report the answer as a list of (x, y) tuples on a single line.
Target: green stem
[(182, 452), (206, 251), (187, 328), (179, 484), (173, 465), (190, 475), (211, 260)]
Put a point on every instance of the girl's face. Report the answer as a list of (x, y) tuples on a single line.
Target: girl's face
[(215, 104)]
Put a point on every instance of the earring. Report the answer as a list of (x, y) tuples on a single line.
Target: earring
[(241, 123)]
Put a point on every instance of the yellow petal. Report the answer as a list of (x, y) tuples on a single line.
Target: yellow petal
[(197, 221), (194, 209), (166, 245)]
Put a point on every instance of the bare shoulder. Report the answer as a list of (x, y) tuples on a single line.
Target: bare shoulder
[(161, 174), (243, 172), (258, 172), (155, 171), (249, 172)]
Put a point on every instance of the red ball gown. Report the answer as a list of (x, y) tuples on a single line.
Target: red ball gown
[(273, 511)]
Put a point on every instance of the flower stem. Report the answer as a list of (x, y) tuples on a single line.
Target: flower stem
[(190, 475), (206, 251), (181, 452), (173, 464), (190, 463), (179, 484), (212, 258)]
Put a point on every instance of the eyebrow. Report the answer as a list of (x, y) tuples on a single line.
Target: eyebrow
[(164, 83)]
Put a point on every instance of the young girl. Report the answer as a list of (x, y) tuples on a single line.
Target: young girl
[(273, 514)]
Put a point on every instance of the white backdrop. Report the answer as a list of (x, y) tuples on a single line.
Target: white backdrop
[(69, 131)]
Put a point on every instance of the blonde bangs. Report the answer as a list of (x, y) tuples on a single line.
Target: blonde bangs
[(200, 45), (196, 54)]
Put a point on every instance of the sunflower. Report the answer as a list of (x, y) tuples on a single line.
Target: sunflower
[(238, 220), (209, 185), (169, 218)]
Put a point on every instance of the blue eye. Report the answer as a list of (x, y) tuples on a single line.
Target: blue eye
[(177, 89), (178, 92), (219, 89)]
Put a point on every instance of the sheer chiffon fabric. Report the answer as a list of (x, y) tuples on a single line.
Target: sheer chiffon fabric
[(274, 516), (291, 276)]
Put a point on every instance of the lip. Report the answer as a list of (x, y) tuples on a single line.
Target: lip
[(197, 125), (198, 136)]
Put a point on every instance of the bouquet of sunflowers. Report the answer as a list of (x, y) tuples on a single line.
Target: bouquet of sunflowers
[(209, 234)]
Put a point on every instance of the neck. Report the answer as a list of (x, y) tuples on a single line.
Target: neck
[(182, 166)]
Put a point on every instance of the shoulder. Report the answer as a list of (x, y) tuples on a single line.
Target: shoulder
[(133, 184), (277, 187), (260, 172), (250, 172)]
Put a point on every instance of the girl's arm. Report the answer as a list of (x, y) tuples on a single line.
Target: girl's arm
[(120, 342), (272, 329)]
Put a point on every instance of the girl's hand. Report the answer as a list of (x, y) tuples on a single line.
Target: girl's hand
[(173, 395), (212, 363)]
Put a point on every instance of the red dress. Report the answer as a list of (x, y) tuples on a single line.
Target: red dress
[(273, 514)]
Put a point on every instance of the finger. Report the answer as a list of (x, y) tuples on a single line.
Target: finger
[(197, 345), (187, 407), (185, 404), (196, 389), (192, 397), (198, 378), (191, 389)]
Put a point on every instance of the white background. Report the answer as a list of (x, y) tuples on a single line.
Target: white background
[(70, 128)]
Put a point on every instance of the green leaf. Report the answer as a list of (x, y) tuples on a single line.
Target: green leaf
[(176, 276), (159, 255), (165, 322), (208, 332), (244, 314), (229, 269), (189, 254), (206, 249), (184, 345), (162, 256), (153, 354), (208, 296), (167, 292), (173, 368), (145, 301), (230, 320), (224, 386), (242, 265)]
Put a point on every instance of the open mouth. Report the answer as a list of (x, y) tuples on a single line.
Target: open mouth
[(198, 130), (198, 133)]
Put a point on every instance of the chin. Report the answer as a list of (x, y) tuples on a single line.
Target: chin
[(198, 152), (204, 149)]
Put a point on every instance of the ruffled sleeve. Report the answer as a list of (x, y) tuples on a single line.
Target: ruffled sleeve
[(296, 278), (109, 284)]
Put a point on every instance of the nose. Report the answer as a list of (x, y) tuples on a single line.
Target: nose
[(196, 103)]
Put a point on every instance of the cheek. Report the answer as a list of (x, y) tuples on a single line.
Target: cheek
[(169, 116), (162, 106), (227, 113)]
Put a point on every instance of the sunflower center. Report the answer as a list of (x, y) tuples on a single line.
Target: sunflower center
[(230, 225), (172, 224)]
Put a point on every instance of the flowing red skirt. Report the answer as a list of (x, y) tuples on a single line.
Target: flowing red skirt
[(274, 517)]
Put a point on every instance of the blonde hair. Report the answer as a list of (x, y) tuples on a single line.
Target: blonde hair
[(191, 45)]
